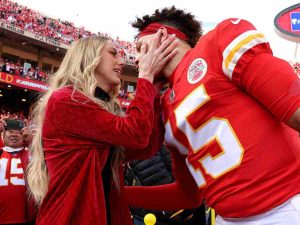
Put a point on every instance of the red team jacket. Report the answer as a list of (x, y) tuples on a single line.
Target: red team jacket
[(223, 116), (77, 136), (15, 206)]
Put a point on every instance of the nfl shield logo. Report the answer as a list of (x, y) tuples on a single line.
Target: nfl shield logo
[(295, 21), (196, 71)]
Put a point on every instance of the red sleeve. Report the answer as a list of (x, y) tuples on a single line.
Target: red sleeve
[(182, 194), (1, 142), (241, 42), (156, 137), (75, 115), (273, 82)]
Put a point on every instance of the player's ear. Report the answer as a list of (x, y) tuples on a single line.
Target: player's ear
[(164, 34)]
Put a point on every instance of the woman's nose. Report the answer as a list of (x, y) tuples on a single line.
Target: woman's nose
[(122, 62)]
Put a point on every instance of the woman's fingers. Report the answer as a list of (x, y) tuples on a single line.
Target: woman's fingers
[(170, 47), (167, 49), (143, 49), (156, 40), (155, 54), (170, 55), (167, 42)]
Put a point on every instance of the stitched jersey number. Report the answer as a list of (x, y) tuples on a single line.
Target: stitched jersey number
[(14, 170), (214, 129)]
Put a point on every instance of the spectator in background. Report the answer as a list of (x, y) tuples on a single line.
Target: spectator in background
[(7, 67), (16, 206), (76, 152), (56, 29), (21, 71), (3, 69)]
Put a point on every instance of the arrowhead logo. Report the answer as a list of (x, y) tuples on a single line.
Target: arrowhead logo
[(196, 71)]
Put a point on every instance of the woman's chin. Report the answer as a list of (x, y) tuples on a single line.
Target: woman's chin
[(116, 83)]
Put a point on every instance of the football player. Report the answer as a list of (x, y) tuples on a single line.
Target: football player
[(231, 116)]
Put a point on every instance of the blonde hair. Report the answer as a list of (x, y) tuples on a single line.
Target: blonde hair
[(77, 69)]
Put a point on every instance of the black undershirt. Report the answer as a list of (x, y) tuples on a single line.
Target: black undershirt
[(106, 172)]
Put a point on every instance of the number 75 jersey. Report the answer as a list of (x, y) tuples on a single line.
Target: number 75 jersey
[(241, 157)]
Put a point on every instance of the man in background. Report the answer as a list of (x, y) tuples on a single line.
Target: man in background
[(16, 208)]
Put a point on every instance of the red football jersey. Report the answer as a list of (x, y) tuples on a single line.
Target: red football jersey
[(241, 156), (13, 197)]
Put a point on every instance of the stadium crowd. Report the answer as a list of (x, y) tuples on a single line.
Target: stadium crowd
[(296, 66), (59, 30), (33, 73), (6, 113)]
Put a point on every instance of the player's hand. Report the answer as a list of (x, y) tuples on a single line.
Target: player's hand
[(155, 54)]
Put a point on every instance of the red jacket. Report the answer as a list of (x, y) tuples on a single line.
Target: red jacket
[(77, 136)]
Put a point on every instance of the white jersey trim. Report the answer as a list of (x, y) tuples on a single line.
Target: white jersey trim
[(238, 47)]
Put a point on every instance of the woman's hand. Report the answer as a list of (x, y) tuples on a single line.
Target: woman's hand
[(155, 54)]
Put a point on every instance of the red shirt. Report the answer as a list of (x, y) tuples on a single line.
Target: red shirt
[(77, 136), (13, 198), (220, 114)]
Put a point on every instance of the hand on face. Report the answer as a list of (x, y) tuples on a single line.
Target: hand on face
[(155, 54)]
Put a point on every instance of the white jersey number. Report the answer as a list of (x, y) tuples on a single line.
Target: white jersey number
[(15, 169), (214, 129)]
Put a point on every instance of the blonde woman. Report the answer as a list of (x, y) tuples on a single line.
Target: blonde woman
[(76, 152)]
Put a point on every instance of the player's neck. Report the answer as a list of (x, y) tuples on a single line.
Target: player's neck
[(182, 49)]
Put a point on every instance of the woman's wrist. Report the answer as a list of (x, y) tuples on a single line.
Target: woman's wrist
[(147, 77)]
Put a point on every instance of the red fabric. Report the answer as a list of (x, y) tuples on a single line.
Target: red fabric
[(15, 207), (241, 156), (153, 28), (156, 137), (273, 82), (77, 136), (1, 142)]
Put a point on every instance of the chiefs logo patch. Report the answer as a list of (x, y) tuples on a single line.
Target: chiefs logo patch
[(196, 71)]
